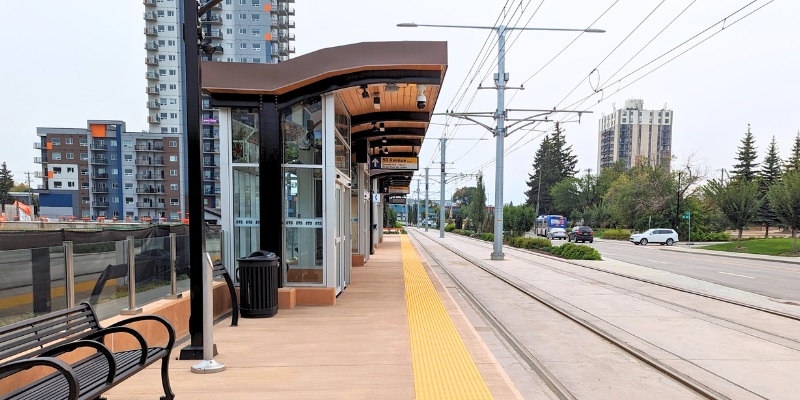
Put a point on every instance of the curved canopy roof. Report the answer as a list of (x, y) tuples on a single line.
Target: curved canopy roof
[(378, 82)]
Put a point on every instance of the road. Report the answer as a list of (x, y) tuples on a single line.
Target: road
[(773, 279)]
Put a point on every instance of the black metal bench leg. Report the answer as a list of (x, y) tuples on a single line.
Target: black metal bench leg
[(168, 395)]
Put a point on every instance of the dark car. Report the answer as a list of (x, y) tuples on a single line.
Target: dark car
[(581, 234)]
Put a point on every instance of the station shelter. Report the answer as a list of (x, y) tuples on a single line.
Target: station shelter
[(311, 149)]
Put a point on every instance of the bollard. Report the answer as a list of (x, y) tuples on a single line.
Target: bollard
[(131, 310), (208, 365), (69, 274), (173, 275)]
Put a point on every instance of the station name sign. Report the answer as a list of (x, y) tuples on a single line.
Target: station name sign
[(394, 163), (397, 190)]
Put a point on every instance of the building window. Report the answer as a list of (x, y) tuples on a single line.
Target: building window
[(127, 143), (84, 185), (113, 157), (70, 184), (256, 46), (173, 86), (128, 185), (70, 170), (171, 28), (57, 185), (56, 170), (256, 18), (173, 158), (70, 156), (128, 171), (255, 3), (115, 185), (68, 141), (114, 171), (256, 32), (170, 13), (56, 156), (242, 31), (256, 60), (173, 143), (173, 172), (85, 199), (84, 156), (243, 46), (115, 199), (242, 16), (129, 200), (84, 171), (173, 202), (55, 142), (83, 142), (173, 186)]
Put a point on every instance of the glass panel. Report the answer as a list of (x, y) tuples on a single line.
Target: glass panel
[(152, 269), (303, 224), (101, 276), (32, 284), (246, 216), (302, 133), (342, 146), (182, 266), (244, 135)]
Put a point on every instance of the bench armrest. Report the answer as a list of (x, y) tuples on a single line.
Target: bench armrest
[(102, 333), (60, 366), (101, 348), (167, 326)]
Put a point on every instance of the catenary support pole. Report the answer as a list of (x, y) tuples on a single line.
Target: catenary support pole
[(441, 196), (425, 220), (500, 134)]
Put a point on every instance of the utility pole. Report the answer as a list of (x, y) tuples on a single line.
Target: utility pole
[(30, 194), (441, 194), (418, 205), (501, 115), (425, 220)]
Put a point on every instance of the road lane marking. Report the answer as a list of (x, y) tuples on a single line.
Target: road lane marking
[(743, 276), (660, 262)]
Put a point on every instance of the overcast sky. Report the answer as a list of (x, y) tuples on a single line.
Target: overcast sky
[(66, 62)]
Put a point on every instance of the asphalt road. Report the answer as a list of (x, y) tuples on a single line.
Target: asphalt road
[(774, 279)]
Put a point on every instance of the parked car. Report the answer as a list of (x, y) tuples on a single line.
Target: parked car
[(656, 235), (557, 233), (581, 233)]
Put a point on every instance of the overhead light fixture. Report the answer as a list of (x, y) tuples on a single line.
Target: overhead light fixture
[(364, 92), (385, 150), (376, 101), (382, 128), (383, 140)]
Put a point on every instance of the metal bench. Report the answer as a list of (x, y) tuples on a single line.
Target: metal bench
[(37, 341), (220, 270)]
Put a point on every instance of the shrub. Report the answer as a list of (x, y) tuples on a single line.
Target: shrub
[(467, 232), (449, 227), (616, 234), (489, 237), (710, 237), (572, 251), (398, 225), (541, 244)]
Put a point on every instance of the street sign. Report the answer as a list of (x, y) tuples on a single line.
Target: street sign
[(396, 163), (397, 200), (397, 190), (686, 215)]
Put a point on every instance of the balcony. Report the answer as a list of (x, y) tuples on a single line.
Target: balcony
[(152, 75), (285, 50), (40, 174), (150, 190), (151, 46), (151, 61), (149, 147), (213, 33), (154, 119), (153, 105), (101, 204), (150, 177), (150, 16), (38, 145), (101, 147), (100, 189), (150, 161), (207, 105), (209, 163), (212, 19), (152, 90), (99, 161), (283, 37), (100, 176), (211, 178), (146, 204), (210, 149), (150, 31), (40, 160), (149, 3)]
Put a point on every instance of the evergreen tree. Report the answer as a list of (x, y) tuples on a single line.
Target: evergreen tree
[(785, 196), (793, 163), (477, 207), (770, 174), (738, 201), (552, 163), (6, 183), (745, 169)]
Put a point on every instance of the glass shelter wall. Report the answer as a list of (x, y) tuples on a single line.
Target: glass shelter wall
[(303, 193)]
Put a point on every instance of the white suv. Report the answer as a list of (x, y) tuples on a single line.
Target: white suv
[(658, 235)]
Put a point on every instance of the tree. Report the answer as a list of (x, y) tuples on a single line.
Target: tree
[(552, 163), (477, 206), (566, 196), (6, 183), (769, 175), (793, 163), (738, 200), (645, 191), (518, 219), (745, 169), (785, 199), (389, 216)]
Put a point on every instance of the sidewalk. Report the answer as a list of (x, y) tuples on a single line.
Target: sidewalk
[(359, 348)]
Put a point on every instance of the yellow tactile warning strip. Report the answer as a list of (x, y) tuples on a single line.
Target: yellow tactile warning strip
[(443, 368)]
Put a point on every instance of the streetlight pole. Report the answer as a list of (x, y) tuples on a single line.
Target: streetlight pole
[(425, 220), (500, 114)]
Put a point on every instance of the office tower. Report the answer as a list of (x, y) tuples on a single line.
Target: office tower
[(104, 173), (244, 31), (633, 135)]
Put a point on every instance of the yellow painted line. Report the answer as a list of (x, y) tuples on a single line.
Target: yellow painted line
[(443, 368), (58, 291)]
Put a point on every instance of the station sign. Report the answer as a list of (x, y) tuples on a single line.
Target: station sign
[(397, 200), (397, 190), (394, 163)]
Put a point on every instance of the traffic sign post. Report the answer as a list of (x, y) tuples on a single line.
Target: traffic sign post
[(688, 216)]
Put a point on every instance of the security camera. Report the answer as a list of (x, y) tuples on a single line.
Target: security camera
[(421, 97)]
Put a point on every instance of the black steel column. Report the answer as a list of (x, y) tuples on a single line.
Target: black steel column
[(42, 283), (197, 243), (270, 178)]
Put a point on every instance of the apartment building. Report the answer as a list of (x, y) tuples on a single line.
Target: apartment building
[(103, 172), (242, 31), (634, 135)]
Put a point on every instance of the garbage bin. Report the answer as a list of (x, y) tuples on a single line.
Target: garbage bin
[(258, 284)]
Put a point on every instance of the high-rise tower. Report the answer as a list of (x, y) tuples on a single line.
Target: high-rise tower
[(634, 135)]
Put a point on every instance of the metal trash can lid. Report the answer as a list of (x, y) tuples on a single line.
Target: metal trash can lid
[(260, 255)]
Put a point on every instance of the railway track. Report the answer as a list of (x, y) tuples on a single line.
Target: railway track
[(432, 251)]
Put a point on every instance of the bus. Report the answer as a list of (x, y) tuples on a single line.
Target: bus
[(545, 222)]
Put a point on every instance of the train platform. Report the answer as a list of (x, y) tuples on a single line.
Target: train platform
[(395, 333)]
